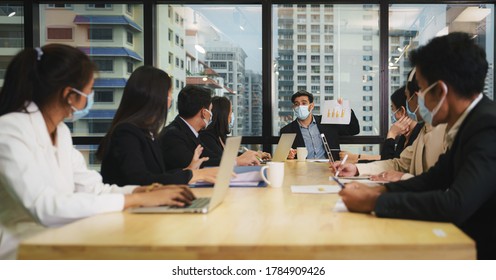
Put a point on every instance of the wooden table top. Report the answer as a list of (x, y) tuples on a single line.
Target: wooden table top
[(254, 223)]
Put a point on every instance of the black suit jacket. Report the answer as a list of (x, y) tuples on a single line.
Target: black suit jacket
[(392, 148), (133, 158), (331, 131), (211, 141), (460, 188), (178, 145)]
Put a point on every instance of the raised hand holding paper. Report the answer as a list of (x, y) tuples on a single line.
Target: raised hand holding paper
[(335, 113)]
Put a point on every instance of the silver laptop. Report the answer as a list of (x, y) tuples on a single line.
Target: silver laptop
[(206, 204), (285, 143)]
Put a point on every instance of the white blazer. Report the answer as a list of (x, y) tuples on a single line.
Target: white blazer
[(52, 182)]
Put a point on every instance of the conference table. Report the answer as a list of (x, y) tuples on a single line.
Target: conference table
[(254, 223)]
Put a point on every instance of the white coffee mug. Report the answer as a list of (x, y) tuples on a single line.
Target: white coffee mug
[(301, 153), (275, 174)]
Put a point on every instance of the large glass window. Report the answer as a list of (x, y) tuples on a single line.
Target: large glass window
[(218, 47), (414, 25), (11, 34), (113, 38)]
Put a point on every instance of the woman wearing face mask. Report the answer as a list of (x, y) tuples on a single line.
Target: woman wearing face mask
[(38, 162), (129, 152), (214, 136), (402, 133)]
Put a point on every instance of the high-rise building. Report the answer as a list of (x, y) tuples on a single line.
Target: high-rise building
[(228, 61), (112, 36), (331, 51), (253, 92), (11, 34)]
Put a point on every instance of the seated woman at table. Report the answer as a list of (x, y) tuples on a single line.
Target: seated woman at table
[(130, 152), (401, 134), (38, 162), (215, 135)]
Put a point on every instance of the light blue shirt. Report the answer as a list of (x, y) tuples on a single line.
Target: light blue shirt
[(313, 142)]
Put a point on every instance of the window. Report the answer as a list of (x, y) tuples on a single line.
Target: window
[(367, 118), (367, 128), (367, 88), (182, 64), (129, 37), (367, 37), (367, 108), (177, 40), (177, 83), (130, 67), (367, 58), (177, 62), (302, 69), (100, 33), (171, 58), (171, 35), (60, 6), (129, 9), (367, 48), (104, 96), (99, 126), (367, 98), (59, 33), (104, 65), (367, 68), (100, 6)]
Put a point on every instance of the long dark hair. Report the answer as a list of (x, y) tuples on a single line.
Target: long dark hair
[(40, 76), (399, 98), (143, 103), (220, 122)]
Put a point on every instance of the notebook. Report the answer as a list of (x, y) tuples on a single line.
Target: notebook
[(282, 150), (206, 204)]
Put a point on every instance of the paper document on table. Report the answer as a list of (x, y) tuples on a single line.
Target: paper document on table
[(317, 160), (339, 206), (335, 113), (346, 180), (315, 189)]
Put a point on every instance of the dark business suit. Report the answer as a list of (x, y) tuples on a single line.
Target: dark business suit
[(132, 157), (460, 188), (392, 148), (211, 141), (178, 144), (331, 131)]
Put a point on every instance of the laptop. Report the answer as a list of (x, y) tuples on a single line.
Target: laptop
[(282, 150), (206, 204)]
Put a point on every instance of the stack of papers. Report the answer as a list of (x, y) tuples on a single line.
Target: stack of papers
[(246, 176)]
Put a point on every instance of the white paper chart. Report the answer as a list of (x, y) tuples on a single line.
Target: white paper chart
[(335, 113)]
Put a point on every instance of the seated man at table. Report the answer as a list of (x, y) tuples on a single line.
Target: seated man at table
[(461, 187), (180, 138), (308, 128)]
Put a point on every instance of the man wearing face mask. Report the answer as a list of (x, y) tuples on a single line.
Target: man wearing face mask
[(415, 159), (460, 188), (308, 128), (179, 139)]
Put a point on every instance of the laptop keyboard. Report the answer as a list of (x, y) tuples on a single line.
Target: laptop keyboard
[(198, 203)]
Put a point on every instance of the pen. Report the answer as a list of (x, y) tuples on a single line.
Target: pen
[(259, 159), (337, 181), (343, 162)]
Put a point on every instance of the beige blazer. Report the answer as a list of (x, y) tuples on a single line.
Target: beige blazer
[(414, 159)]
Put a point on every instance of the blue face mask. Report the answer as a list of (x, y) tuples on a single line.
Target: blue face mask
[(393, 116), (427, 115), (302, 112), (231, 123), (207, 123), (411, 114), (78, 114)]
